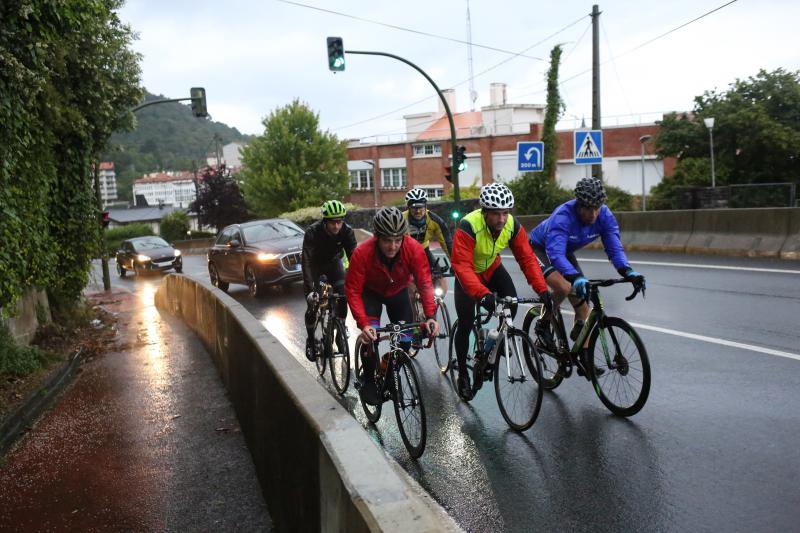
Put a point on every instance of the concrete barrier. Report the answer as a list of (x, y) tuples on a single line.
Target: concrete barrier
[(748, 232), (318, 469), (791, 248), (659, 231)]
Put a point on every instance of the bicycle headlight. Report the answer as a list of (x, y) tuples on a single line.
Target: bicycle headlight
[(438, 291)]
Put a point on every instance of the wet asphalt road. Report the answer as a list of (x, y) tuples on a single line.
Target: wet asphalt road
[(145, 439), (715, 448)]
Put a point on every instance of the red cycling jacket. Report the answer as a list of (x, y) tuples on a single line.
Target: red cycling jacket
[(367, 271)]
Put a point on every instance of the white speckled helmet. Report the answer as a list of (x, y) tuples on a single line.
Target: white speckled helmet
[(416, 197), (496, 196)]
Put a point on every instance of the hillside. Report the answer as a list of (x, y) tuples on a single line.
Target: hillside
[(167, 137)]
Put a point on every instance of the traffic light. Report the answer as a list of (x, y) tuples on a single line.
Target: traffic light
[(335, 54), (448, 174), (456, 215), (104, 219), (199, 102), (460, 158)]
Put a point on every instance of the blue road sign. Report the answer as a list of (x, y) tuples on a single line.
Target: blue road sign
[(588, 147), (530, 156)]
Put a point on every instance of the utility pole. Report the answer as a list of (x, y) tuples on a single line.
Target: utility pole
[(597, 170), (103, 252)]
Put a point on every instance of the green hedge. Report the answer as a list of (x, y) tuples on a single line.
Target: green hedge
[(115, 236)]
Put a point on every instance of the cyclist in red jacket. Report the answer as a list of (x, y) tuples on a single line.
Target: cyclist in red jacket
[(381, 270)]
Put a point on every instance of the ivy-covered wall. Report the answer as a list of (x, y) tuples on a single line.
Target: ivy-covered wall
[(67, 77)]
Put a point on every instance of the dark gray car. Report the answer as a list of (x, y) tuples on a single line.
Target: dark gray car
[(147, 254), (257, 254)]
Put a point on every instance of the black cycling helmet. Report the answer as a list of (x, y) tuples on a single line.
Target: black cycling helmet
[(589, 192), (389, 222)]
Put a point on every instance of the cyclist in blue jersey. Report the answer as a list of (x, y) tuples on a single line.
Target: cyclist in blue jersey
[(572, 226)]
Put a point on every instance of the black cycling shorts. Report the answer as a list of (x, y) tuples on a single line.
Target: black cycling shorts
[(545, 263)]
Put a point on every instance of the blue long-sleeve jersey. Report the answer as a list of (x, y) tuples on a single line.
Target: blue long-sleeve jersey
[(563, 232)]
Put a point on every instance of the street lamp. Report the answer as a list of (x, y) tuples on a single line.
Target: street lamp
[(374, 180), (643, 139), (709, 122)]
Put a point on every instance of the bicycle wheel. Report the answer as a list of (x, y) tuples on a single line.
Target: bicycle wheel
[(551, 377), (516, 381), (408, 406), (451, 354), (624, 385), (419, 316), (339, 357), (441, 344), (373, 412), (319, 344)]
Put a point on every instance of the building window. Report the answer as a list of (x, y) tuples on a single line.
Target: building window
[(361, 179), (393, 178), (434, 193), (427, 150)]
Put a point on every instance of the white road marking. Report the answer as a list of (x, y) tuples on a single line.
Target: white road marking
[(712, 340), (691, 265)]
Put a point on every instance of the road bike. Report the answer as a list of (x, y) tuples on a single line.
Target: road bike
[(441, 342), (615, 360), (507, 356), (330, 337), (396, 379)]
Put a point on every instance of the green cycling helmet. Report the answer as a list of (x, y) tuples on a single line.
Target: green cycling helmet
[(333, 209)]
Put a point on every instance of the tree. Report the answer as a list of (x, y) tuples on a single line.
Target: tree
[(174, 226), (553, 112), (219, 200), (756, 135), (293, 164), (536, 194)]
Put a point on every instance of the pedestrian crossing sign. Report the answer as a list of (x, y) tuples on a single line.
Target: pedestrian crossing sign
[(588, 147)]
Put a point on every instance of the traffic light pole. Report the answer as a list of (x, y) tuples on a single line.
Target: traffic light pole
[(453, 145), (154, 102)]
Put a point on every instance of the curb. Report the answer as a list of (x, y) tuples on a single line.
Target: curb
[(17, 423)]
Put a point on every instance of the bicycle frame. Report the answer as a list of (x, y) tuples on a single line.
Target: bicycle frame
[(506, 324)]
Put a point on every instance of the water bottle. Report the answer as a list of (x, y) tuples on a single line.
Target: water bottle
[(491, 338)]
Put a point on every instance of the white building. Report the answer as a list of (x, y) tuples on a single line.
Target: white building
[(231, 155), (108, 182), (166, 188)]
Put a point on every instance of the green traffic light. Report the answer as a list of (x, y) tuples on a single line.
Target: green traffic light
[(462, 167), (456, 215), (338, 62)]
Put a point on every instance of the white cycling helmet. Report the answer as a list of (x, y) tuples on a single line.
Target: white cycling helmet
[(416, 197), (496, 196)]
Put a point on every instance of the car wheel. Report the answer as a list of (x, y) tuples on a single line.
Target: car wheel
[(256, 288), (179, 269), (121, 271), (215, 281), (138, 270)]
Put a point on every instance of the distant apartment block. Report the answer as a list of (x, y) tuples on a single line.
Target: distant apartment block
[(108, 182), (230, 155), (169, 188)]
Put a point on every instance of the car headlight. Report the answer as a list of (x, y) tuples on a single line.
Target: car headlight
[(143, 258), (267, 257), (438, 291), (177, 253)]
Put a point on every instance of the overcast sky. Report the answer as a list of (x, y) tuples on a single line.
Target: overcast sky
[(255, 55)]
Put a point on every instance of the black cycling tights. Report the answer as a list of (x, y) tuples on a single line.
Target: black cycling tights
[(501, 283), (398, 307), (335, 274)]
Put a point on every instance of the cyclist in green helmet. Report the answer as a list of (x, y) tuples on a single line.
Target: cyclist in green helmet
[(323, 245)]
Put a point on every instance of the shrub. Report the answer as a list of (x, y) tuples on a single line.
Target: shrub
[(535, 194), (307, 215), (174, 226), (115, 236), (618, 199), (16, 360)]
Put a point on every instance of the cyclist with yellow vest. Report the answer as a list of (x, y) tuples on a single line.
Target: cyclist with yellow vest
[(479, 239), (426, 226)]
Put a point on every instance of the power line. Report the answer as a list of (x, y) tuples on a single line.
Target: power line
[(461, 82), (409, 30), (637, 47)]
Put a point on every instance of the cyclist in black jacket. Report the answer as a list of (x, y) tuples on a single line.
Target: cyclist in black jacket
[(323, 244)]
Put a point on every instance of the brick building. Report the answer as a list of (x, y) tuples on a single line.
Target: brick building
[(490, 137)]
